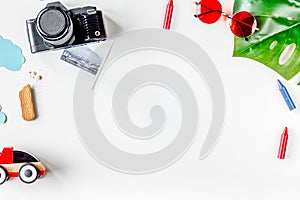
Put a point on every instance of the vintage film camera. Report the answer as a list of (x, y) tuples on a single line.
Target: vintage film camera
[(56, 27)]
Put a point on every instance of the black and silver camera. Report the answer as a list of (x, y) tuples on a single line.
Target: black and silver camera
[(56, 27)]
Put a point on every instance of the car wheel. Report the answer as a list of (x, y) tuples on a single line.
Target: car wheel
[(28, 173), (3, 175)]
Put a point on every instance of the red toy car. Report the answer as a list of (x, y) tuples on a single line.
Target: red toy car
[(20, 164)]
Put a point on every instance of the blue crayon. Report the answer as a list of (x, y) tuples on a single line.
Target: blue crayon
[(286, 96)]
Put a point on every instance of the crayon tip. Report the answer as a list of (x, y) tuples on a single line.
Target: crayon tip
[(285, 132), (171, 2), (280, 85)]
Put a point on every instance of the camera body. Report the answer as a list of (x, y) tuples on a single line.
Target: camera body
[(56, 27)]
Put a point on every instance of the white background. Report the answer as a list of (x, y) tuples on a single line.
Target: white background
[(242, 166)]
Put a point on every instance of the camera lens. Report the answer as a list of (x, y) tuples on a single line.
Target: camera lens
[(55, 26), (53, 22)]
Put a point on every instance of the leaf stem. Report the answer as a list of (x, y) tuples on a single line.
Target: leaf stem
[(277, 17)]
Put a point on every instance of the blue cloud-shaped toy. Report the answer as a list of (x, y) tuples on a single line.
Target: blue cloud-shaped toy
[(11, 56)]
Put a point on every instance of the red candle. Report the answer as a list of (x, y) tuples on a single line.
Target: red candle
[(168, 15), (283, 144)]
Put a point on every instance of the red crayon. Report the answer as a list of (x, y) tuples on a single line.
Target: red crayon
[(283, 144), (168, 15)]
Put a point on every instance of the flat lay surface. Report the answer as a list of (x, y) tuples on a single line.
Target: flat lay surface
[(243, 164)]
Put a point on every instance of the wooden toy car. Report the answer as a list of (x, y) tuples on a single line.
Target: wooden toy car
[(20, 164)]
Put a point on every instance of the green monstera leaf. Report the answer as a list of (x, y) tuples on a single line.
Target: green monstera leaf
[(277, 42)]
